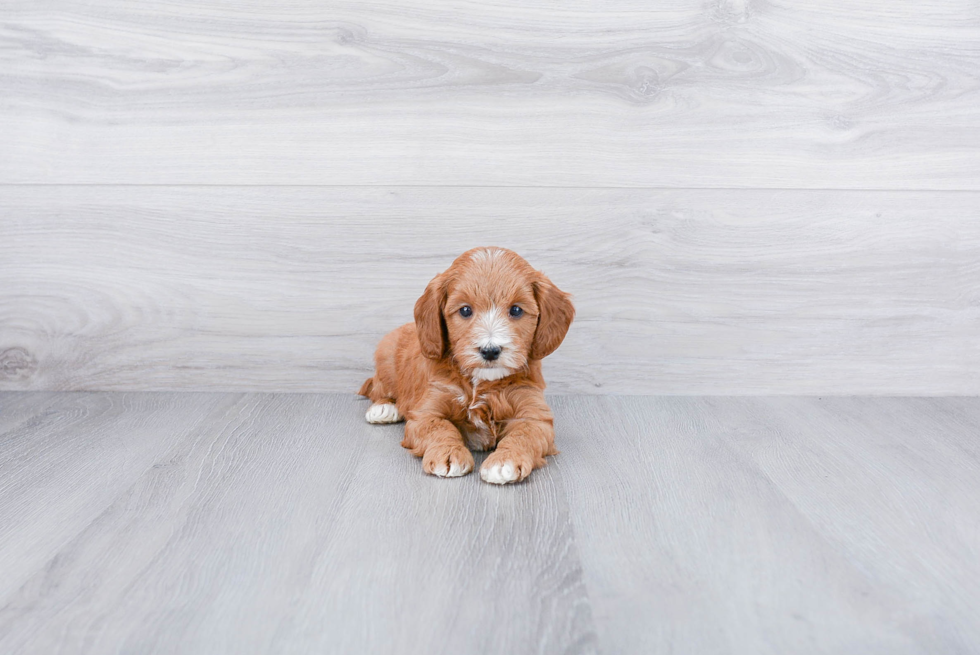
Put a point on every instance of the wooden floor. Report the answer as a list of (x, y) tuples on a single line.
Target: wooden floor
[(241, 523)]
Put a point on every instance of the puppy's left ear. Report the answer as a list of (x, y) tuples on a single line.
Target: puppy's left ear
[(555, 314), (429, 322)]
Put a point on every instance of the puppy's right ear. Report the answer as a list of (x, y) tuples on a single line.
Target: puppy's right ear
[(429, 322)]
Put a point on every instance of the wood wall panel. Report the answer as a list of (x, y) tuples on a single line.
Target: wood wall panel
[(682, 291), (729, 93)]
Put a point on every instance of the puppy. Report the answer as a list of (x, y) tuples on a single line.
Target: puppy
[(467, 374)]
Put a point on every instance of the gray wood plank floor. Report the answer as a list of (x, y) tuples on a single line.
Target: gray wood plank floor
[(239, 523)]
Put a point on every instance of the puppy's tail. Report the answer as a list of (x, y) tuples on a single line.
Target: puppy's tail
[(366, 388)]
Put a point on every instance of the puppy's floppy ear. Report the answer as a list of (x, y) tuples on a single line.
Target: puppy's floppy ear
[(429, 322), (555, 314)]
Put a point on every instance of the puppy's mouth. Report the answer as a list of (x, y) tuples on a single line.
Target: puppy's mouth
[(489, 372), (490, 363), (487, 366)]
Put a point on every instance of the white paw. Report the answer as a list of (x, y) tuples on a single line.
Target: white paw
[(454, 471), (383, 413), (504, 473)]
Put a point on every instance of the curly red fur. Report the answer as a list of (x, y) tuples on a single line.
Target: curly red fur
[(452, 397)]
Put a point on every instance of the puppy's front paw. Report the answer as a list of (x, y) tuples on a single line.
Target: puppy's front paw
[(447, 461), (504, 468)]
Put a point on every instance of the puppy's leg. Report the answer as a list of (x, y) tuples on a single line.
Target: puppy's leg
[(522, 449), (383, 413), (439, 444), (381, 387), (527, 439), (383, 408)]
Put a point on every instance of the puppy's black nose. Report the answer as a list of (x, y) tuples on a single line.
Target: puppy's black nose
[(490, 353)]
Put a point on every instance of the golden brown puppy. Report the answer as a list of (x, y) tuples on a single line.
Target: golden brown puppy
[(467, 374)]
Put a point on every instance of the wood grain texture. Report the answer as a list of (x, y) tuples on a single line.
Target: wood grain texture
[(238, 523), (683, 291), (725, 93), (776, 525), (65, 458), (415, 566), (287, 524)]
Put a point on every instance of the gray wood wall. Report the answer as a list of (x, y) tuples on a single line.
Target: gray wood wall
[(743, 197)]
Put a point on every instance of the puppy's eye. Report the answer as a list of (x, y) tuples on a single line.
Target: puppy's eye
[(465, 311), (516, 311)]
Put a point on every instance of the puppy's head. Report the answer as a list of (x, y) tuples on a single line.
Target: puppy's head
[(491, 312)]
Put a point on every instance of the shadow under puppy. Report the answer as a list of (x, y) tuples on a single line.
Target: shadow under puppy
[(467, 374)]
